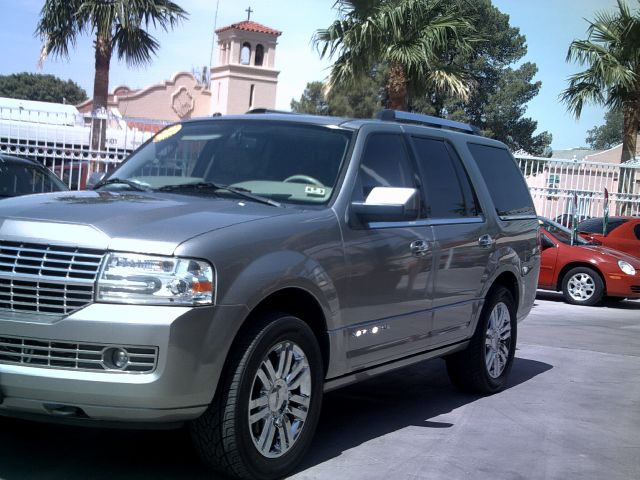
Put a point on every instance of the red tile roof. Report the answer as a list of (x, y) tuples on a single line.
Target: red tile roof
[(250, 26)]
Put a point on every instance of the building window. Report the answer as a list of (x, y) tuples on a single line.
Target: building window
[(252, 95), (553, 181), (259, 55), (245, 54)]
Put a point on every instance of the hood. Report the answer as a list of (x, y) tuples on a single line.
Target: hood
[(129, 221), (609, 253)]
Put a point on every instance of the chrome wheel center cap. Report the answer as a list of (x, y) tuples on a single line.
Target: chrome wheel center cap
[(278, 396)]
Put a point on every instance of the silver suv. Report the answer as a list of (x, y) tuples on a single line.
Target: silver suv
[(235, 268)]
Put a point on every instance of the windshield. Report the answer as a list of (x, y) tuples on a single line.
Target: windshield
[(17, 178), (562, 234), (283, 161)]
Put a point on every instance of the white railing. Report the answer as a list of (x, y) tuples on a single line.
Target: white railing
[(62, 140), (554, 182)]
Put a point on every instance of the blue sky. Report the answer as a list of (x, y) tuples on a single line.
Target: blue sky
[(549, 26)]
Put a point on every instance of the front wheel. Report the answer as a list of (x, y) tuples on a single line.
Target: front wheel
[(483, 367), (582, 286), (267, 404)]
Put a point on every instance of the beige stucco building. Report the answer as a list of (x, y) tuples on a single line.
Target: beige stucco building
[(245, 76), (179, 98)]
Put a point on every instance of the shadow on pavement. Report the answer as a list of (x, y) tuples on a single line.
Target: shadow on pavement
[(409, 397), (351, 416), (557, 297)]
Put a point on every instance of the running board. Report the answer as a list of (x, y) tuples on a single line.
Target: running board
[(358, 376)]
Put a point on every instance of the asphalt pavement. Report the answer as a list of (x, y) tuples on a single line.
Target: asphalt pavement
[(571, 411)]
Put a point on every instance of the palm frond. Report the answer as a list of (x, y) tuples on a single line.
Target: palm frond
[(611, 54), (416, 34)]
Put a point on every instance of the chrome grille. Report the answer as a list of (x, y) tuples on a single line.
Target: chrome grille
[(46, 279), (72, 355)]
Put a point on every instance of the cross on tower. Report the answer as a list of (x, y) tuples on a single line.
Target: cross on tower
[(249, 12)]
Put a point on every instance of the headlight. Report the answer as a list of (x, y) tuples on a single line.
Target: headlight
[(626, 267), (131, 278)]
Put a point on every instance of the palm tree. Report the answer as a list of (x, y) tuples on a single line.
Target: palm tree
[(611, 54), (416, 39), (117, 25)]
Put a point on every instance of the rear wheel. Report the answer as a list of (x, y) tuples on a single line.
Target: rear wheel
[(483, 367), (582, 286), (267, 405)]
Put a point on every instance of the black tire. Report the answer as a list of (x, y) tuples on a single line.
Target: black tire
[(224, 435), (582, 286), (468, 369)]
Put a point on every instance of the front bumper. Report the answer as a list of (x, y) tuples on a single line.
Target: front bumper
[(623, 285), (192, 345)]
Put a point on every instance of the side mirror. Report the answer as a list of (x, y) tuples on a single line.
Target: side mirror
[(546, 243), (94, 178), (388, 204)]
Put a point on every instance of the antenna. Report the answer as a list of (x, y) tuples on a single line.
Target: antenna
[(213, 38)]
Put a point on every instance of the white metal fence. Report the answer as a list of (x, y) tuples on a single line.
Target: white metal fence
[(554, 183), (61, 140)]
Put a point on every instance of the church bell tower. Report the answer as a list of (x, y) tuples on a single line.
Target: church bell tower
[(244, 77)]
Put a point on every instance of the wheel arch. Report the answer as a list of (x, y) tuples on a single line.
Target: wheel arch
[(508, 280), (297, 302)]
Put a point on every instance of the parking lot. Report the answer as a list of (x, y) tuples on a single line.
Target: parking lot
[(571, 411)]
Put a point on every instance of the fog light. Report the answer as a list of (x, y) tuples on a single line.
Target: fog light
[(116, 358)]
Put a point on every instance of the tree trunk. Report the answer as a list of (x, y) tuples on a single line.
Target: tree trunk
[(397, 88), (626, 179), (100, 91)]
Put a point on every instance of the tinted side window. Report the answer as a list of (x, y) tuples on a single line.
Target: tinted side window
[(504, 180), (447, 186), (594, 225), (384, 164), (636, 230)]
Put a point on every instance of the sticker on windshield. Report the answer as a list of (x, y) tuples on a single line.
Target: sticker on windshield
[(315, 191), (167, 132)]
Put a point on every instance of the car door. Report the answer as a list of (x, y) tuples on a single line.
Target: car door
[(463, 243), (548, 261), (389, 263)]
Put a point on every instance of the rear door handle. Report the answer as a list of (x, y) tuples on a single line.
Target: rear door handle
[(486, 241), (419, 247)]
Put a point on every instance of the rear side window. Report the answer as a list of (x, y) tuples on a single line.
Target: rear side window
[(636, 230), (447, 186), (594, 225), (504, 180)]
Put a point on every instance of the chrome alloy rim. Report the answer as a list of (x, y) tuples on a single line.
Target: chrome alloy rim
[(581, 287), (279, 401), (498, 340)]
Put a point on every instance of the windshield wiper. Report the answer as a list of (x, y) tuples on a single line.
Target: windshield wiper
[(130, 183), (241, 192)]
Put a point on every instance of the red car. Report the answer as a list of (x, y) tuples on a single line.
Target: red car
[(584, 272), (623, 233)]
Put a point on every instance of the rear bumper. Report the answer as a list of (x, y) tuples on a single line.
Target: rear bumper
[(192, 344)]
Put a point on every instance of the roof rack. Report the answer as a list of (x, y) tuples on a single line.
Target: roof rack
[(428, 120), (267, 110)]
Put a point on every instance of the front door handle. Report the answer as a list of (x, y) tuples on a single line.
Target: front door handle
[(419, 248), (486, 241)]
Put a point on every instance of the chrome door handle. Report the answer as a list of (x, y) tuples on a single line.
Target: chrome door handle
[(486, 241), (419, 247)]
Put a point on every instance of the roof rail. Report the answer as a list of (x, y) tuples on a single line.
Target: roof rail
[(428, 120), (267, 110)]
